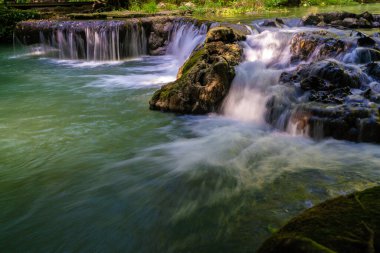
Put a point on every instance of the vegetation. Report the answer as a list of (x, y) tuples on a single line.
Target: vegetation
[(226, 6), (8, 20)]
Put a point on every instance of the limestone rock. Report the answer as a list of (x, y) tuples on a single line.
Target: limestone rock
[(205, 78)]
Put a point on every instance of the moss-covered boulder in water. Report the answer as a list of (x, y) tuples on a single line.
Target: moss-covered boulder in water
[(205, 78), (347, 224)]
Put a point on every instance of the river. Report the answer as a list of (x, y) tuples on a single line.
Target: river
[(85, 166)]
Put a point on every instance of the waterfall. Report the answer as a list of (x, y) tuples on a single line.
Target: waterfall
[(93, 40), (267, 54), (184, 38)]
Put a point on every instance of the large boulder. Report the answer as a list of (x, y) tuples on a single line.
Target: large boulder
[(321, 44), (205, 78), (347, 224)]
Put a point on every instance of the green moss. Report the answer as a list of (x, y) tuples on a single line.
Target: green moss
[(345, 224), (193, 60)]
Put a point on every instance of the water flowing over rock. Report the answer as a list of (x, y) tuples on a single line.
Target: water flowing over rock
[(319, 44), (111, 40), (345, 224), (205, 78)]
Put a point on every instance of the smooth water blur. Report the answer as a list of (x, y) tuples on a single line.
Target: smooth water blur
[(86, 167)]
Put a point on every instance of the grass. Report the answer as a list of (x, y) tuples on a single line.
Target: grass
[(225, 7)]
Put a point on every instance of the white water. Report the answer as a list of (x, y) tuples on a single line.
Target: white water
[(267, 55), (184, 38), (95, 41)]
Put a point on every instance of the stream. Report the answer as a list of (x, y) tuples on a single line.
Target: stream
[(85, 166)]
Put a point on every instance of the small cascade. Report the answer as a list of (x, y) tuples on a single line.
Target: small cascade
[(306, 82), (93, 40), (184, 38), (267, 55)]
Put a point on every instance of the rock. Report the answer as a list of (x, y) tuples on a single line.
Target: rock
[(342, 19), (161, 5), (224, 34), (188, 5), (205, 78), (347, 224), (366, 41), (305, 44), (279, 23), (366, 55), (323, 75), (331, 102), (373, 70)]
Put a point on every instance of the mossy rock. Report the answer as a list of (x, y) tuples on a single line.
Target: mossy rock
[(347, 224), (205, 78)]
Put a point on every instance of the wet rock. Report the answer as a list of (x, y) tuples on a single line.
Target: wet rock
[(279, 23), (373, 70), (320, 44), (366, 41), (331, 101), (205, 78), (323, 75), (348, 224), (342, 19), (362, 55)]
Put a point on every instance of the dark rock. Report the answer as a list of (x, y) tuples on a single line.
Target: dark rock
[(342, 19), (323, 75), (273, 23), (305, 44), (373, 70), (205, 78), (349, 224), (366, 41)]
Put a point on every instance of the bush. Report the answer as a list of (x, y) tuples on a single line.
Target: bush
[(8, 20)]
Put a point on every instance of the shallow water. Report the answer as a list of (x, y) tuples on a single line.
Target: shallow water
[(85, 166)]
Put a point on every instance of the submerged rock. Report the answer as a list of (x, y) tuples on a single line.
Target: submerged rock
[(205, 78), (347, 224)]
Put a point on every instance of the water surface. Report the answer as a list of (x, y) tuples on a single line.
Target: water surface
[(85, 166)]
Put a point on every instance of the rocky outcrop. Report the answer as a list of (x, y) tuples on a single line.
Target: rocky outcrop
[(347, 224), (334, 100), (320, 44), (343, 19), (205, 78), (330, 98)]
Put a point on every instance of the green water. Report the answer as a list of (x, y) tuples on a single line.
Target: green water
[(86, 167)]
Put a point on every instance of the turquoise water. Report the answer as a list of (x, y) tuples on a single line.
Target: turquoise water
[(85, 166)]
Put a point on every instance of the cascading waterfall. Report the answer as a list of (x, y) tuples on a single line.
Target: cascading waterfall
[(257, 86), (184, 38), (95, 40), (109, 40), (267, 54)]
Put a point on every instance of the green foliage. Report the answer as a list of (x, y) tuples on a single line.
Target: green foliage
[(148, 7), (328, 2), (8, 20), (274, 3)]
